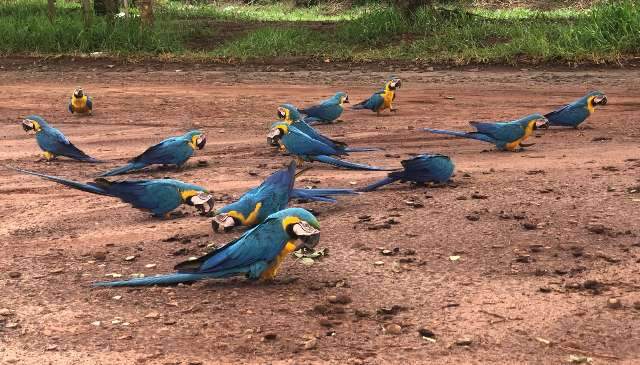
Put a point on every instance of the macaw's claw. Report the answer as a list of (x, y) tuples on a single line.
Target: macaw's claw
[(526, 144)]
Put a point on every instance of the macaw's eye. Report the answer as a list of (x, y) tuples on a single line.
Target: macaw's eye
[(201, 141), (282, 113), (222, 222), (202, 201)]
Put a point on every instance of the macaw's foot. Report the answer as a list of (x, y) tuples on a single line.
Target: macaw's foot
[(378, 113), (393, 110), (339, 121), (48, 156), (522, 145)]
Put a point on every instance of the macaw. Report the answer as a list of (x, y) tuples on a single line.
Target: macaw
[(290, 115), (572, 115), (171, 151), (382, 99), (420, 169), (80, 103), (257, 254), (328, 110), (271, 196), (52, 141), (505, 135), (306, 148), (159, 196)]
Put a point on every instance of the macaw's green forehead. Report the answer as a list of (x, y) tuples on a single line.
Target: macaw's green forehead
[(299, 213), (193, 133)]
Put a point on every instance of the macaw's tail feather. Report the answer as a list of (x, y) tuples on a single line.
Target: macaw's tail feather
[(361, 105), (362, 149), (377, 184), (346, 164), (471, 135), (124, 169), (169, 279), (74, 152), (90, 188), (321, 195)]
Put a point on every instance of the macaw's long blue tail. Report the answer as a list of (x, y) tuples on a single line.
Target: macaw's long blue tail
[(90, 188), (169, 279), (321, 195), (377, 184), (346, 164), (74, 152), (361, 105), (124, 169), (471, 135), (362, 149)]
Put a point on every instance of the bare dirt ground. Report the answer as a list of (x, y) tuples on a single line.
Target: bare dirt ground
[(545, 238)]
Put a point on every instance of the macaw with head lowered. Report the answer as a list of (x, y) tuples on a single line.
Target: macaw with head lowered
[(420, 169), (257, 254), (159, 196), (328, 110), (572, 115), (52, 141), (171, 151), (382, 99), (271, 196), (80, 103), (505, 135), (290, 115), (309, 149)]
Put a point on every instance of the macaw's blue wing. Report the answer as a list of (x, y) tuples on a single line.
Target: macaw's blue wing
[(249, 255), (420, 169), (345, 164), (471, 135), (52, 140), (375, 102), (172, 151), (570, 115), (158, 196), (299, 143), (326, 112), (89, 103), (505, 132)]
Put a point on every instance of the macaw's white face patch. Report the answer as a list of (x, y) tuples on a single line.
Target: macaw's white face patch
[(600, 100), (303, 228), (203, 201), (222, 222), (541, 123), (201, 141), (78, 93), (274, 132)]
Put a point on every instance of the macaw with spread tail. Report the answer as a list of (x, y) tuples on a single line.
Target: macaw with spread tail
[(159, 196), (257, 254), (382, 99), (420, 169), (80, 103), (507, 136), (290, 116), (572, 115), (171, 151), (271, 196), (309, 149), (52, 141), (328, 110)]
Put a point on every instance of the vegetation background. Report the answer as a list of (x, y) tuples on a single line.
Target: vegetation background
[(457, 32)]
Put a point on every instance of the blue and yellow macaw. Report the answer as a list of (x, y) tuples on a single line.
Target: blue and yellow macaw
[(328, 110), (420, 169), (159, 196), (290, 115), (572, 115), (80, 103), (257, 254), (505, 135), (52, 141), (171, 151), (309, 149), (382, 99), (271, 196)]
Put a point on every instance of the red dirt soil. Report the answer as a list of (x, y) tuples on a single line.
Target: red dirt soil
[(511, 290)]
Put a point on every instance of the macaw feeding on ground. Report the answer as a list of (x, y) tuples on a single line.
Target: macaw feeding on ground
[(505, 135), (328, 110), (290, 115), (80, 102), (382, 99), (52, 141), (171, 151), (420, 169), (306, 148), (159, 196), (257, 254), (572, 115), (271, 196)]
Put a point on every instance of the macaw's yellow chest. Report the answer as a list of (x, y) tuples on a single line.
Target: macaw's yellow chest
[(272, 271), (388, 99), (79, 104), (527, 133)]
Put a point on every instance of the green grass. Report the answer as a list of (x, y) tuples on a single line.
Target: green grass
[(607, 32)]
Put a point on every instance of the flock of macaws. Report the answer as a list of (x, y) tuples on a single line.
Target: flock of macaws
[(274, 229)]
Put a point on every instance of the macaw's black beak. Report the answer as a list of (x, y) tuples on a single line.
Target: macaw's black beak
[(273, 141), (310, 241), (27, 126), (346, 100), (205, 207), (201, 143), (601, 100), (526, 144), (281, 114)]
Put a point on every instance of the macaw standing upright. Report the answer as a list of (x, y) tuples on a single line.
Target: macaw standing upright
[(171, 151), (159, 196), (52, 141), (505, 135), (382, 99), (80, 103), (328, 110), (420, 169), (257, 254), (272, 195), (572, 115)]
